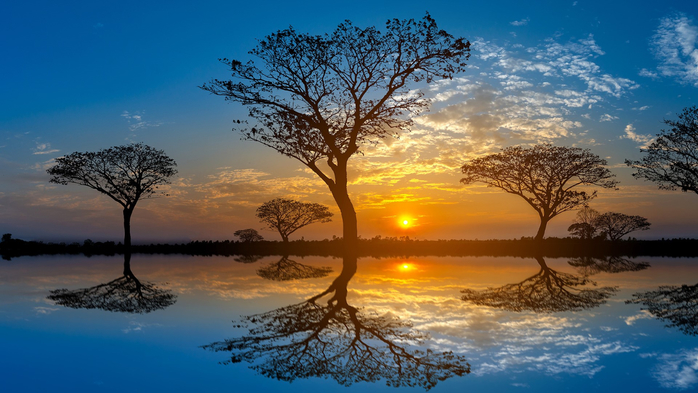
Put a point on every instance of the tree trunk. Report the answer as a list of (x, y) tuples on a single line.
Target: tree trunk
[(284, 238), (350, 232), (127, 229), (541, 228)]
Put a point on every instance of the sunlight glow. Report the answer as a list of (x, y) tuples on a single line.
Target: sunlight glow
[(405, 222)]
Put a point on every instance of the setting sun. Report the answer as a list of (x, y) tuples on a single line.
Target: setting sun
[(405, 222)]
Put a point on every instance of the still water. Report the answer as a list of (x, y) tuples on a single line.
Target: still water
[(447, 324)]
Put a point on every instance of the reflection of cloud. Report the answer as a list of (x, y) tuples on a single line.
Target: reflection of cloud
[(678, 371), (675, 46), (522, 22), (643, 314), (134, 326), (45, 310)]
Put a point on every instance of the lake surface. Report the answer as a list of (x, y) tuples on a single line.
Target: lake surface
[(173, 322)]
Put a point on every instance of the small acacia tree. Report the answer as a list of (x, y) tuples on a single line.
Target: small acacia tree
[(320, 97), (617, 225), (287, 216), (584, 226), (248, 235), (672, 159), (125, 174), (545, 176)]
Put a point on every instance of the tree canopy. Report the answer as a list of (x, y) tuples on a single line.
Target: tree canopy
[(671, 160), (545, 176), (673, 304), (617, 225), (321, 97), (287, 216), (248, 235), (286, 269), (125, 174)]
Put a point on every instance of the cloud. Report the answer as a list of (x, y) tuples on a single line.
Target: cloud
[(45, 310), (648, 73), (44, 148), (644, 314), (642, 140), (522, 22), (678, 371), (136, 122), (607, 117), (674, 45)]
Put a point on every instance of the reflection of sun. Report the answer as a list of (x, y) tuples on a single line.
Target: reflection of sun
[(405, 266)]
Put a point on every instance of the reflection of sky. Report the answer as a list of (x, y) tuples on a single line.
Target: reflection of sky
[(612, 345)]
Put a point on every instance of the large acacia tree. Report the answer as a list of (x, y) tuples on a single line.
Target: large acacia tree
[(671, 160), (547, 177), (287, 216), (319, 98), (125, 174)]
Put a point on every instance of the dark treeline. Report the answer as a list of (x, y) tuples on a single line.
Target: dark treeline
[(379, 247)]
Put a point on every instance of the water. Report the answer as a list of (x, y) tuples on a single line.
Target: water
[(544, 324)]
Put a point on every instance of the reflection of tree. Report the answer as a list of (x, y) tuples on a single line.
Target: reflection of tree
[(676, 305), (589, 266), (286, 269), (339, 341), (546, 291), (247, 258), (125, 294)]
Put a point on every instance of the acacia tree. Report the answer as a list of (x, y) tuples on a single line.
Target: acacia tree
[(672, 159), (319, 98), (288, 216), (248, 235), (125, 174), (545, 176), (617, 225), (584, 226)]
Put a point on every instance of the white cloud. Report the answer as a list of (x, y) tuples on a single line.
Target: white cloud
[(136, 122), (678, 371), (607, 117), (522, 22), (44, 148), (644, 314), (643, 140), (675, 46), (648, 73), (45, 310)]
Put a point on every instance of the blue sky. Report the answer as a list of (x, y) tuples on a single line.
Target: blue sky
[(81, 76)]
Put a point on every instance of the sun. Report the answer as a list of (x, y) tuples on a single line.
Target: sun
[(405, 222)]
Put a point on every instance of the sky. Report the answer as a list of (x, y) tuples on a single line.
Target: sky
[(83, 76)]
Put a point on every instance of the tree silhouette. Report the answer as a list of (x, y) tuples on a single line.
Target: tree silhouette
[(248, 235), (617, 225), (588, 266), (124, 294), (336, 340), (288, 216), (672, 159), (286, 269), (545, 292), (583, 225), (544, 176), (320, 98), (676, 305), (246, 258), (125, 174)]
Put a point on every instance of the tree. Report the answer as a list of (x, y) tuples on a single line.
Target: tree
[(545, 292), (288, 216), (125, 174), (320, 98), (286, 269), (672, 159), (545, 176), (617, 225), (334, 339), (588, 266), (583, 225), (676, 305), (124, 294), (248, 235)]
